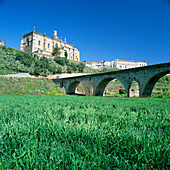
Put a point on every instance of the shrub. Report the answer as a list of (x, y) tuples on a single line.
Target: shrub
[(54, 91), (52, 66), (25, 58), (69, 69), (90, 70), (61, 60), (81, 67), (122, 91), (59, 68)]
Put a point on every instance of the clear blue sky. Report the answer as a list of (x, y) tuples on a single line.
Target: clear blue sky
[(100, 29)]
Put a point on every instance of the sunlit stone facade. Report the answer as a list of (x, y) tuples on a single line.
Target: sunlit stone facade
[(42, 45)]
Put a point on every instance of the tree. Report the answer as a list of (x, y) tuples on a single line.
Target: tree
[(66, 54), (43, 63), (52, 68), (74, 66), (61, 60), (41, 67), (56, 51), (25, 58), (81, 67), (69, 69)]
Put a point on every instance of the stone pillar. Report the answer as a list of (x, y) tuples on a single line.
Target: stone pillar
[(134, 89)]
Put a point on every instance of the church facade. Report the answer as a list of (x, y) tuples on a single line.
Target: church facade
[(42, 45)]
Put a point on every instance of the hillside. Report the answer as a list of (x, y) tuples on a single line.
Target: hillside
[(12, 60), (28, 86), (162, 87)]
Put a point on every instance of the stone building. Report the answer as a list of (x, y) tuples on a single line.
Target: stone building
[(120, 64), (125, 64), (108, 63), (95, 65), (2, 42), (42, 45)]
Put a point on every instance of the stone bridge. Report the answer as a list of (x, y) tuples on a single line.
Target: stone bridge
[(95, 84)]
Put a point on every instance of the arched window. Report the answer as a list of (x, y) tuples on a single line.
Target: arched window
[(39, 42), (48, 45)]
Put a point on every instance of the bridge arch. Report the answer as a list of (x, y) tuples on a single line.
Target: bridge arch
[(147, 90), (72, 87), (100, 88), (87, 88)]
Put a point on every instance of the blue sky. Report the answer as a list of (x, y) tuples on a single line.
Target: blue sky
[(100, 29)]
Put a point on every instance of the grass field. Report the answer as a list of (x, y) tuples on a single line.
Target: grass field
[(73, 132)]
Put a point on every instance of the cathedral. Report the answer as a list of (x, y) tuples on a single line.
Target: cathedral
[(42, 45)]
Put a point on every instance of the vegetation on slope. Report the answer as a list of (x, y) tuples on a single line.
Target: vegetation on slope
[(28, 86), (63, 132), (7, 71), (162, 87), (19, 61)]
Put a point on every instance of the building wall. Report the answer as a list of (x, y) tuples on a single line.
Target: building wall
[(120, 64), (2, 42), (95, 65), (42, 45), (125, 64), (26, 43), (108, 63)]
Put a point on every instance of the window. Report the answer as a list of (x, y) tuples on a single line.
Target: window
[(39, 42), (28, 41), (48, 45)]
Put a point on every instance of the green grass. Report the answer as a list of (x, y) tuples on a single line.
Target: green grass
[(7, 71), (115, 95), (70, 132)]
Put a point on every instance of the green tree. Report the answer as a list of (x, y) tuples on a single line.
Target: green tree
[(52, 66), (81, 67), (69, 69), (74, 66), (61, 60), (41, 67), (66, 54), (25, 58), (56, 51)]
